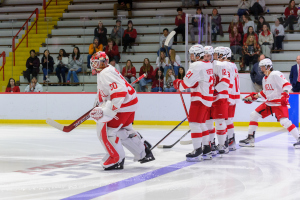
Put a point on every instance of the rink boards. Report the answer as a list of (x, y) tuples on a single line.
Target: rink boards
[(154, 108)]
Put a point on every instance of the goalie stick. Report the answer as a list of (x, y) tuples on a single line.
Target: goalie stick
[(81, 119)]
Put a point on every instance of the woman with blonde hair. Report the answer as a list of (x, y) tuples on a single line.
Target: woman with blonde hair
[(148, 70), (162, 63), (129, 72), (175, 61), (168, 81), (251, 51)]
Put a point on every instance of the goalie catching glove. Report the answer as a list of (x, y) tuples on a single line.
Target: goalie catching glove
[(250, 98), (105, 113)]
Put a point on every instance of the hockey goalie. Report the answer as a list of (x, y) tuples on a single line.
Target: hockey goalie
[(114, 116)]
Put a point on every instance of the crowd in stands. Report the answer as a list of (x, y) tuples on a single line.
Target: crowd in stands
[(248, 40)]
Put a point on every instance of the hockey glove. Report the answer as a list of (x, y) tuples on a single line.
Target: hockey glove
[(248, 99), (284, 99), (176, 84)]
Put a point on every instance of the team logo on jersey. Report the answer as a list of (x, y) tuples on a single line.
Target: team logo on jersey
[(269, 87)]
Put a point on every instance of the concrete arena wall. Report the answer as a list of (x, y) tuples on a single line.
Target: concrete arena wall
[(154, 108)]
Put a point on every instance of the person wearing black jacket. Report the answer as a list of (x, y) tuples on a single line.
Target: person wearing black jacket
[(125, 5), (32, 65), (257, 77), (101, 32), (47, 62), (197, 26)]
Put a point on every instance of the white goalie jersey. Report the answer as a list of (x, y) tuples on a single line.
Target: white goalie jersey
[(200, 79), (273, 86), (222, 80), (113, 88)]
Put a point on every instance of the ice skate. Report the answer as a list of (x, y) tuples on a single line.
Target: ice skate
[(248, 142), (195, 156), (214, 150), (149, 156), (223, 149), (207, 155), (232, 143), (297, 144), (116, 166)]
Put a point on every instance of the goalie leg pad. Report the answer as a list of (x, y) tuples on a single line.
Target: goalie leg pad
[(112, 145), (196, 134), (133, 143)]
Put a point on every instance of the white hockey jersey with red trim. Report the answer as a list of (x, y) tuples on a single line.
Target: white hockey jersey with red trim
[(234, 89), (112, 86), (222, 80), (200, 79), (273, 86)]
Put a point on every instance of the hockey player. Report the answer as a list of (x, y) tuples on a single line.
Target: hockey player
[(234, 98), (199, 78), (115, 116), (276, 91), (221, 95)]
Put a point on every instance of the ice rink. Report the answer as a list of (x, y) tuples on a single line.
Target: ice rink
[(40, 162)]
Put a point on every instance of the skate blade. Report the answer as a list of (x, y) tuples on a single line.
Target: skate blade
[(232, 149), (246, 145), (196, 159), (207, 157), (297, 147)]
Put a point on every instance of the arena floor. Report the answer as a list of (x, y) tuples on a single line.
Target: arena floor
[(40, 162)]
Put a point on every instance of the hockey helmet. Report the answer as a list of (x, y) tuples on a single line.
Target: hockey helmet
[(267, 63), (228, 52), (197, 50), (98, 58)]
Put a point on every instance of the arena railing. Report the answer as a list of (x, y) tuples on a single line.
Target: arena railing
[(45, 6), (36, 12), (3, 55)]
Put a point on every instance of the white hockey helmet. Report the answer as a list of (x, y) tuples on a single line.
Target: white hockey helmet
[(267, 63), (208, 50), (222, 51), (228, 52), (197, 50)]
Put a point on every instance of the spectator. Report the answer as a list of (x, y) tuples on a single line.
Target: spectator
[(261, 22), (250, 32), (162, 62), (243, 6), (114, 64), (129, 72), (291, 16), (216, 25), (257, 7), (158, 82), (235, 41), (125, 5), (278, 33), (32, 65), (129, 36), (266, 41), (168, 81), (257, 76), (190, 3), (180, 23), (181, 73), (75, 63), (117, 32), (148, 70), (247, 22), (95, 47), (295, 76), (101, 32), (235, 22), (47, 63), (112, 51), (251, 51), (34, 86), (61, 64), (175, 61), (162, 42), (11, 86), (198, 25)]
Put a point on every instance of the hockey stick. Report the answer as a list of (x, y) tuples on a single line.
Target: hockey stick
[(168, 133), (170, 36), (170, 146), (81, 119), (186, 142)]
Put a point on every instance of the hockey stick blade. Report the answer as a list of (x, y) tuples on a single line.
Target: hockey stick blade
[(186, 142), (172, 145), (170, 36), (55, 124)]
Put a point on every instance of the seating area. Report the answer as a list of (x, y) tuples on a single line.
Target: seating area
[(149, 19)]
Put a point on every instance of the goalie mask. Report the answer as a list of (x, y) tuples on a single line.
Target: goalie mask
[(265, 65), (99, 60)]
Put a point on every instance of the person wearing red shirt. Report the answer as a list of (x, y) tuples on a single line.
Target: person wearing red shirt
[(235, 41), (291, 15), (148, 70), (129, 72), (11, 87), (158, 82), (112, 50), (129, 36), (180, 23)]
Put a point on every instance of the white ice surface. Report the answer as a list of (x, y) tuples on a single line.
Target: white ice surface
[(268, 171)]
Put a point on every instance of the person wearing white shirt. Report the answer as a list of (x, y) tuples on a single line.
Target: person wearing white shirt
[(246, 23), (278, 33), (257, 7), (162, 42), (175, 61), (163, 62), (61, 64), (34, 86)]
